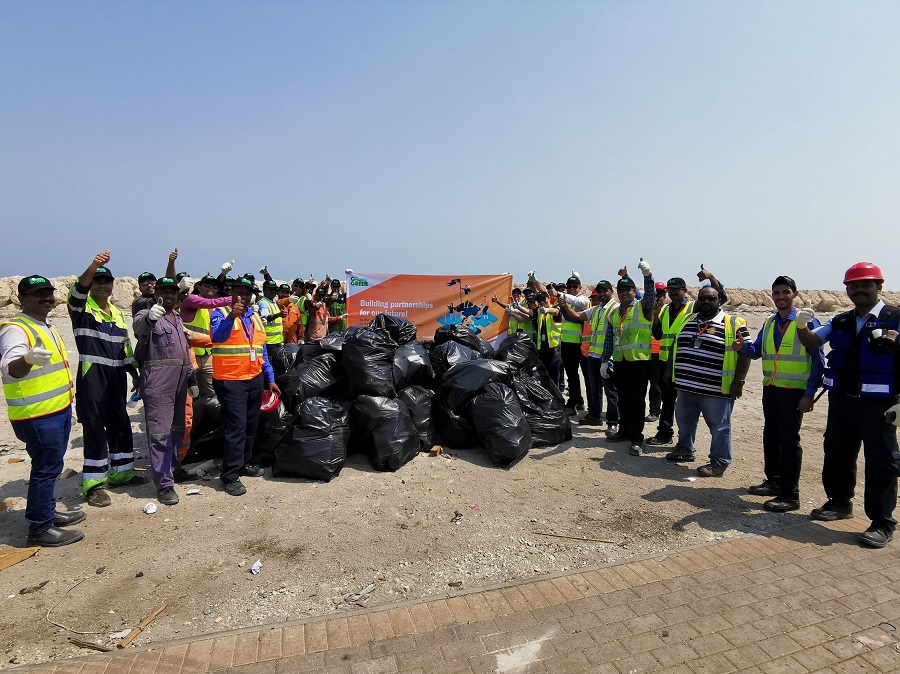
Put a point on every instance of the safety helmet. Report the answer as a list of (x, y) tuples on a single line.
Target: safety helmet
[(270, 401), (661, 286), (863, 271)]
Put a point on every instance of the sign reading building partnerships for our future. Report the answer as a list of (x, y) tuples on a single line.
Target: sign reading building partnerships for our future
[(431, 301)]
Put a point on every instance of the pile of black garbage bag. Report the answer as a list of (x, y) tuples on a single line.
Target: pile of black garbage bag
[(377, 391)]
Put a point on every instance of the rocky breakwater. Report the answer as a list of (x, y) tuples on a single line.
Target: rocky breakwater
[(124, 291)]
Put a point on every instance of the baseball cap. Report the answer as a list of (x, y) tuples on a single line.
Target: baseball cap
[(626, 282), (541, 296), (335, 282), (33, 283), (208, 278), (321, 291), (246, 282), (299, 282), (516, 290), (660, 286), (676, 282), (146, 276), (573, 280), (606, 285), (284, 286), (104, 272), (785, 281), (270, 284), (166, 282), (180, 275)]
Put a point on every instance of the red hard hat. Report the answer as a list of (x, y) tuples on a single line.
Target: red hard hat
[(270, 401), (660, 285), (863, 271)]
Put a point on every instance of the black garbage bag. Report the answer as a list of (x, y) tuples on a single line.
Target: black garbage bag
[(500, 423), (540, 372), (333, 342), (385, 430), (316, 446), (463, 381), (453, 429), (368, 363), (519, 350), (448, 354), (412, 366), (282, 356), (306, 352), (546, 416), (418, 401), (311, 378), (207, 416), (462, 335), (398, 329), (204, 447), (272, 427)]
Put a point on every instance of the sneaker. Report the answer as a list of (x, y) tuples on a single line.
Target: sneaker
[(781, 505), (167, 496), (876, 537), (832, 511), (249, 470), (69, 518), (234, 488), (766, 488), (616, 437), (635, 450), (712, 469), (656, 440), (651, 418), (133, 482), (55, 537), (589, 420), (680, 455), (98, 497)]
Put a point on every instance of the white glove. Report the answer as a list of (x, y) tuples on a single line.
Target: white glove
[(185, 283), (227, 267), (294, 298), (156, 312), (892, 415), (38, 355), (804, 316), (644, 266), (194, 392), (576, 274), (604, 369), (348, 271), (543, 310), (531, 274)]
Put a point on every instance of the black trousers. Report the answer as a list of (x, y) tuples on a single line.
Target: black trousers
[(240, 402), (573, 362), (550, 358), (782, 453), (655, 375), (631, 383), (668, 395), (860, 421)]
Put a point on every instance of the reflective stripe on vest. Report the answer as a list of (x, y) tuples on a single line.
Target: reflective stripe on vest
[(231, 360), (598, 327), (670, 330), (553, 329), (274, 329), (45, 389), (631, 334), (729, 362), (790, 365), (200, 324)]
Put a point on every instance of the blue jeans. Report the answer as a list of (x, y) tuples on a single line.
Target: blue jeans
[(717, 415), (599, 385), (46, 439)]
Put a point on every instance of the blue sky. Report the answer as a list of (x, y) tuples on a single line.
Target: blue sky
[(758, 138)]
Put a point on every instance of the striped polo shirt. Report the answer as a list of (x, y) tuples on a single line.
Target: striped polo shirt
[(701, 352)]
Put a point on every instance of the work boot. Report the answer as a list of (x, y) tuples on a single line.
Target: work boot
[(832, 510), (635, 450), (658, 440), (782, 505), (766, 488), (234, 488), (579, 407), (67, 519), (589, 420), (616, 437), (712, 469), (98, 497), (55, 537), (651, 418), (680, 455), (133, 482), (249, 470), (167, 496), (876, 536)]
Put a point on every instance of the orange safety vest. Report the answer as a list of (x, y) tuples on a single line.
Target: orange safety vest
[(240, 358)]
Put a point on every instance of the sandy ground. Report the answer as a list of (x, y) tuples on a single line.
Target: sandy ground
[(319, 543)]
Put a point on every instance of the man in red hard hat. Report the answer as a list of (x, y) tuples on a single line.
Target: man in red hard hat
[(863, 378)]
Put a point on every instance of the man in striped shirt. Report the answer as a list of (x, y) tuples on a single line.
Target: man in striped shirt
[(709, 375), (105, 359)]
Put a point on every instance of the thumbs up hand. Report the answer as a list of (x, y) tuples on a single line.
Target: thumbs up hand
[(227, 267), (156, 312), (644, 266), (804, 317), (38, 355)]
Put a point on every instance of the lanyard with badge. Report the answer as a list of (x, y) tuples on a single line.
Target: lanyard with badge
[(623, 319), (249, 336), (702, 329)]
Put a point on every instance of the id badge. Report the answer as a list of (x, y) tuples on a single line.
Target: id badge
[(252, 354), (615, 341), (695, 343)]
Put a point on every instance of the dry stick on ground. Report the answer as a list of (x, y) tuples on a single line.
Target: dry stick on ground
[(88, 644), (576, 538), (137, 630), (49, 610)]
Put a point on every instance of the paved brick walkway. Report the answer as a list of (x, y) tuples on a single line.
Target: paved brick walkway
[(806, 599)]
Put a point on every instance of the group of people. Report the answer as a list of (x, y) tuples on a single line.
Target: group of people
[(214, 335)]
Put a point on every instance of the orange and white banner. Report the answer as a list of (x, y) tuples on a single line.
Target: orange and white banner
[(431, 301)]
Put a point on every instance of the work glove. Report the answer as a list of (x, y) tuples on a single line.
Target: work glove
[(804, 316), (194, 392), (576, 274), (264, 270), (185, 283), (156, 312), (294, 298), (644, 266), (227, 267), (348, 271), (604, 369), (892, 416), (531, 274), (38, 355)]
